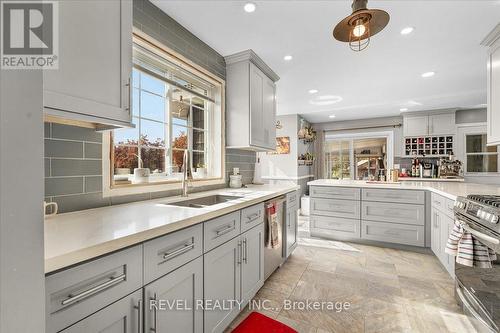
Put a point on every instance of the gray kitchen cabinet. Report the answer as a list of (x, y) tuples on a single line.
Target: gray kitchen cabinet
[(77, 292), (291, 229), (393, 212), (429, 123), (416, 125), (179, 292), (252, 262), (252, 216), (336, 207), (442, 124), (221, 229), (251, 103), (123, 316), (393, 195), (222, 283), (492, 41), (335, 227), (92, 82), (442, 225), (435, 233), (406, 234), (334, 192)]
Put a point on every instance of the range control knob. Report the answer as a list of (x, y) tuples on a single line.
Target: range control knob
[(494, 218)]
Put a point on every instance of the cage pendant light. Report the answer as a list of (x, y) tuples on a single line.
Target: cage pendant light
[(357, 28)]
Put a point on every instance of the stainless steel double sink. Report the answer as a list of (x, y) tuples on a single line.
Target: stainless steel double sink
[(203, 202)]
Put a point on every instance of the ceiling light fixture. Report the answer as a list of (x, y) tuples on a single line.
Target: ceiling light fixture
[(407, 30), (357, 28), (313, 91), (428, 74), (332, 116), (325, 100), (249, 7), (403, 109), (287, 57)]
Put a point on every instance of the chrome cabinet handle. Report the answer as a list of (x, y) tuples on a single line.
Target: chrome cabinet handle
[(155, 314), (138, 307), (252, 217), (89, 292), (245, 250), (239, 253), (177, 252), (225, 230), (129, 90)]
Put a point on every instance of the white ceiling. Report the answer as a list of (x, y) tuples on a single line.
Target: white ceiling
[(374, 83)]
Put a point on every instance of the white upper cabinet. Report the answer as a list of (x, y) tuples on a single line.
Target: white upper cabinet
[(251, 103), (95, 63), (439, 123), (415, 125), (492, 41)]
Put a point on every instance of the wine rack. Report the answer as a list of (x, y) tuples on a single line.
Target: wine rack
[(429, 146)]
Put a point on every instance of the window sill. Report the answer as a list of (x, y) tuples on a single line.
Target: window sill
[(128, 189)]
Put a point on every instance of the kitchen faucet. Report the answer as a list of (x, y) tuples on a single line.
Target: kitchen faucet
[(187, 176)]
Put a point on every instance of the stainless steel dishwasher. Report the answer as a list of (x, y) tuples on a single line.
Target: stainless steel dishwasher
[(274, 256)]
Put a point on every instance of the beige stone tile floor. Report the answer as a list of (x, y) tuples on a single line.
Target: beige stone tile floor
[(388, 290)]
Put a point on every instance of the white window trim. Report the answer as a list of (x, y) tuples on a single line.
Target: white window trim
[(468, 129), (388, 135), (108, 190)]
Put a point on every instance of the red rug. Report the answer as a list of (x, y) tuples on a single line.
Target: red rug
[(258, 323)]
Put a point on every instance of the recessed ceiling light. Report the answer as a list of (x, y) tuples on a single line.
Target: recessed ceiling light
[(325, 100), (249, 7), (428, 74), (407, 30), (403, 109), (414, 103), (332, 116), (287, 57), (313, 91)]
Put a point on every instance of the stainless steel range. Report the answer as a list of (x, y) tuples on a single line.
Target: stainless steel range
[(478, 289)]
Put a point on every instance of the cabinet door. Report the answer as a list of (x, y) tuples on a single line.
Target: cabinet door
[(252, 267), (442, 124), (494, 94), (222, 283), (171, 300), (446, 227), (258, 81), (269, 113), (95, 60), (291, 230), (415, 126), (435, 233), (123, 316)]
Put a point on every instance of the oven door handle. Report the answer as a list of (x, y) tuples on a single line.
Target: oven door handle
[(480, 235), (474, 313)]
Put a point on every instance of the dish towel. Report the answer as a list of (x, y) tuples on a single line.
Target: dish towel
[(467, 249), (272, 240)]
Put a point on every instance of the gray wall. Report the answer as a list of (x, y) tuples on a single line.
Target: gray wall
[(470, 116), (22, 282), (73, 170), (73, 175)]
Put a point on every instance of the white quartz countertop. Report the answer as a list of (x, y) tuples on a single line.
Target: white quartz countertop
[(449, 180), (451, 190), (75, 237)]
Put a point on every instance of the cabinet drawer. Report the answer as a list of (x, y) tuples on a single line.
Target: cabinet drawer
[(393, 233), (445, 205), (220, 230), (334, 207), (252, 216), (346, 193), (292, 199), (393, 195), (75, 293), (163, 255), (336, 226), (393, 212)]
